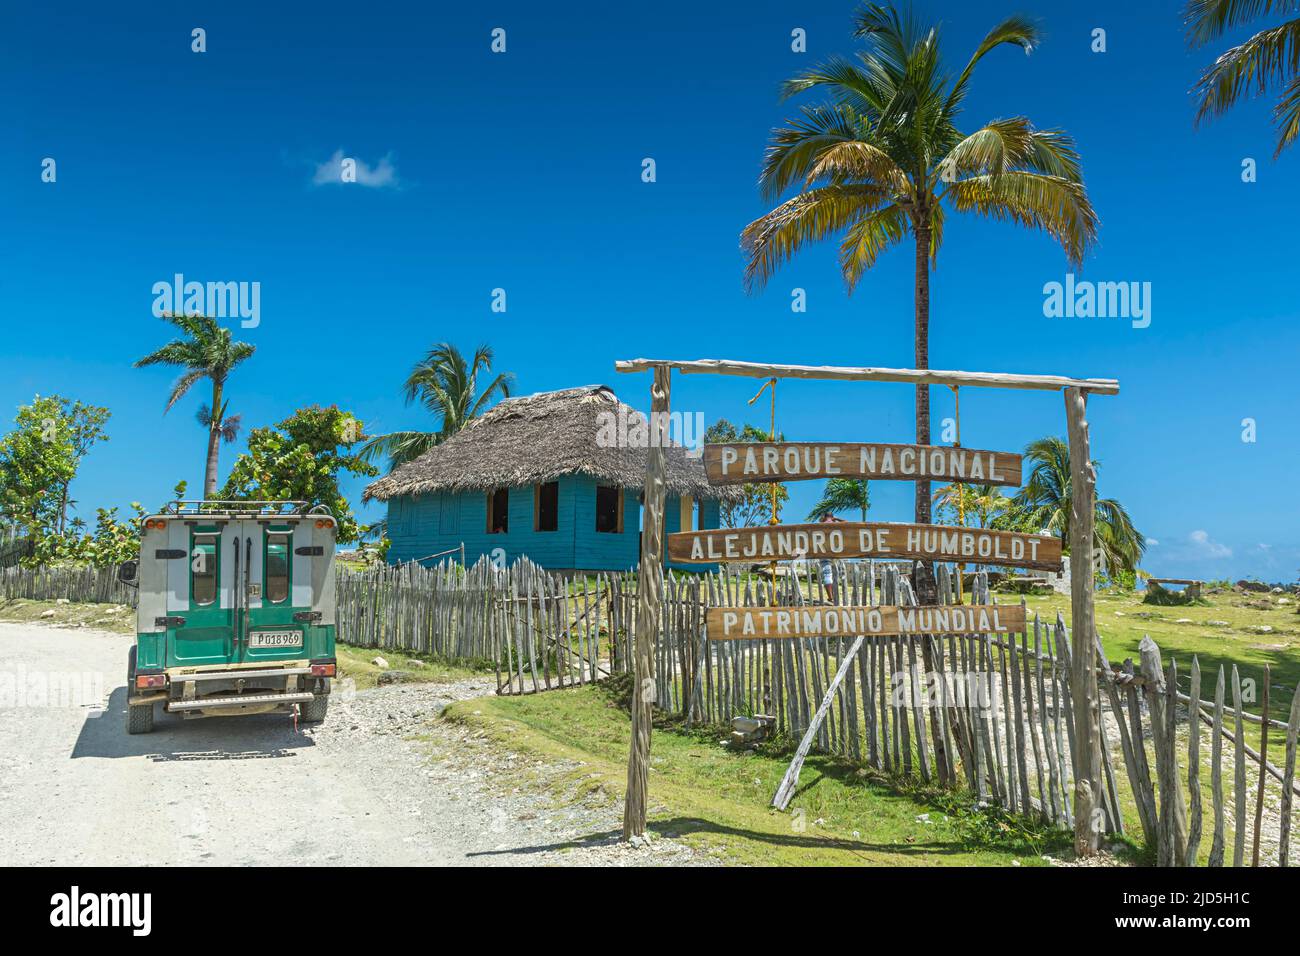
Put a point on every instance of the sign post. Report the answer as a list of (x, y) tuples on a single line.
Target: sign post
[(1088, 813), (649, 596), (773, 461)]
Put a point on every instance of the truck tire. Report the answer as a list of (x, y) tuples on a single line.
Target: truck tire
[(314, 710), (139, 718)]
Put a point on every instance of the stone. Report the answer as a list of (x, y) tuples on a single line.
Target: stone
[(379, 662)]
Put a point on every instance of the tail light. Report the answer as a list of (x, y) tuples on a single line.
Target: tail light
[(155, 524), (324, 523), (148, 681), (322, 670)]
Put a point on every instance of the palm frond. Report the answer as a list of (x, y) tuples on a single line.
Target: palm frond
[(794, 149), (809, 217), (183, 385), (230, 428), (867, 238), (1208, 20), (1016, 30), (398, 447), (1057, 206), (858, 161), (1249, 69)]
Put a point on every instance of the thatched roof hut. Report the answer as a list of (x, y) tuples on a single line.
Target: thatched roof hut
[(539, 438)]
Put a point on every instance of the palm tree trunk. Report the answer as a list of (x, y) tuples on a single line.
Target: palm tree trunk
[(926, 587), (921, 226), (214, 445)]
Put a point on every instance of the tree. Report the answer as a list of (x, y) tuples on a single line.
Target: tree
[(300, 459), (1268, 60), (985, 502), (1044, 504), (842, 494), (754, 506), (207, 351), (885, 159), (40, 458), (448, 388)]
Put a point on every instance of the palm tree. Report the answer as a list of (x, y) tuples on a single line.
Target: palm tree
[(1269, 59), (885, 159), (206, 351), (982, 501), (842, 494), (1045, 502), (448, 387)]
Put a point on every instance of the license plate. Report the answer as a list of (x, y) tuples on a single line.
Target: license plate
[(273, 639)]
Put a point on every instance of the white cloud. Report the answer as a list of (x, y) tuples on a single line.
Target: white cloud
[(1264, 547), (1211, 549), (382, 174), (1152, 542)]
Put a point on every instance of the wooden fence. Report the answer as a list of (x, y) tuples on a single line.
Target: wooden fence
[(82, 584), (14, 546), (987, 713)]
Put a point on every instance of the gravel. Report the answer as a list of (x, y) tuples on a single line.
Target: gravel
[(384, 781)]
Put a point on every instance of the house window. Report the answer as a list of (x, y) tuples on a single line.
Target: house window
[(498, 511), (609, 509), (546, 507)]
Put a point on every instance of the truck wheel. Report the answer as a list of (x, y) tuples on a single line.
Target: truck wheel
[(313, 711), (139, 718)]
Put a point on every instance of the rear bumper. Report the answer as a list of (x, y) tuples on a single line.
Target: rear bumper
[(251, 688), (239, 701), (220, 671)]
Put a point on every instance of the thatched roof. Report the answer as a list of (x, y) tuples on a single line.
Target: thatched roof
[(537, 438)]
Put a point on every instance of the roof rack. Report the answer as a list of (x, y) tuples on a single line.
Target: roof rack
[(186, 506)]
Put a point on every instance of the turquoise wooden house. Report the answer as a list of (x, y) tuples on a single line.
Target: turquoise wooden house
[(537, 476)]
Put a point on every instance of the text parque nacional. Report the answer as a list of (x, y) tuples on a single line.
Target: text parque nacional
[(747, 462)]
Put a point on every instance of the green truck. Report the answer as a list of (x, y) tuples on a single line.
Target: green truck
[(235, 612)]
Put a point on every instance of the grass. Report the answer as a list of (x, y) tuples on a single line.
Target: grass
[(1185, 630), (118, 618), (355, 663), (717, 799)]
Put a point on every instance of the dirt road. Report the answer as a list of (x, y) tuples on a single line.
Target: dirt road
[(381, 782)]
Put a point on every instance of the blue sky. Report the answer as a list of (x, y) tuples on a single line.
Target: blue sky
[(522, 171)]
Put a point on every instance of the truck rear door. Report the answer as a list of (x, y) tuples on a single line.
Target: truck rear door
[(274, 588), (201, 595)]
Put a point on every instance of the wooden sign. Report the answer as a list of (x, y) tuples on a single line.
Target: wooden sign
[(737, 463), (856, 539), (756, 623)]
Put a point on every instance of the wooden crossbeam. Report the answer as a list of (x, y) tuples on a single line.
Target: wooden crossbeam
[(911, 376)]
